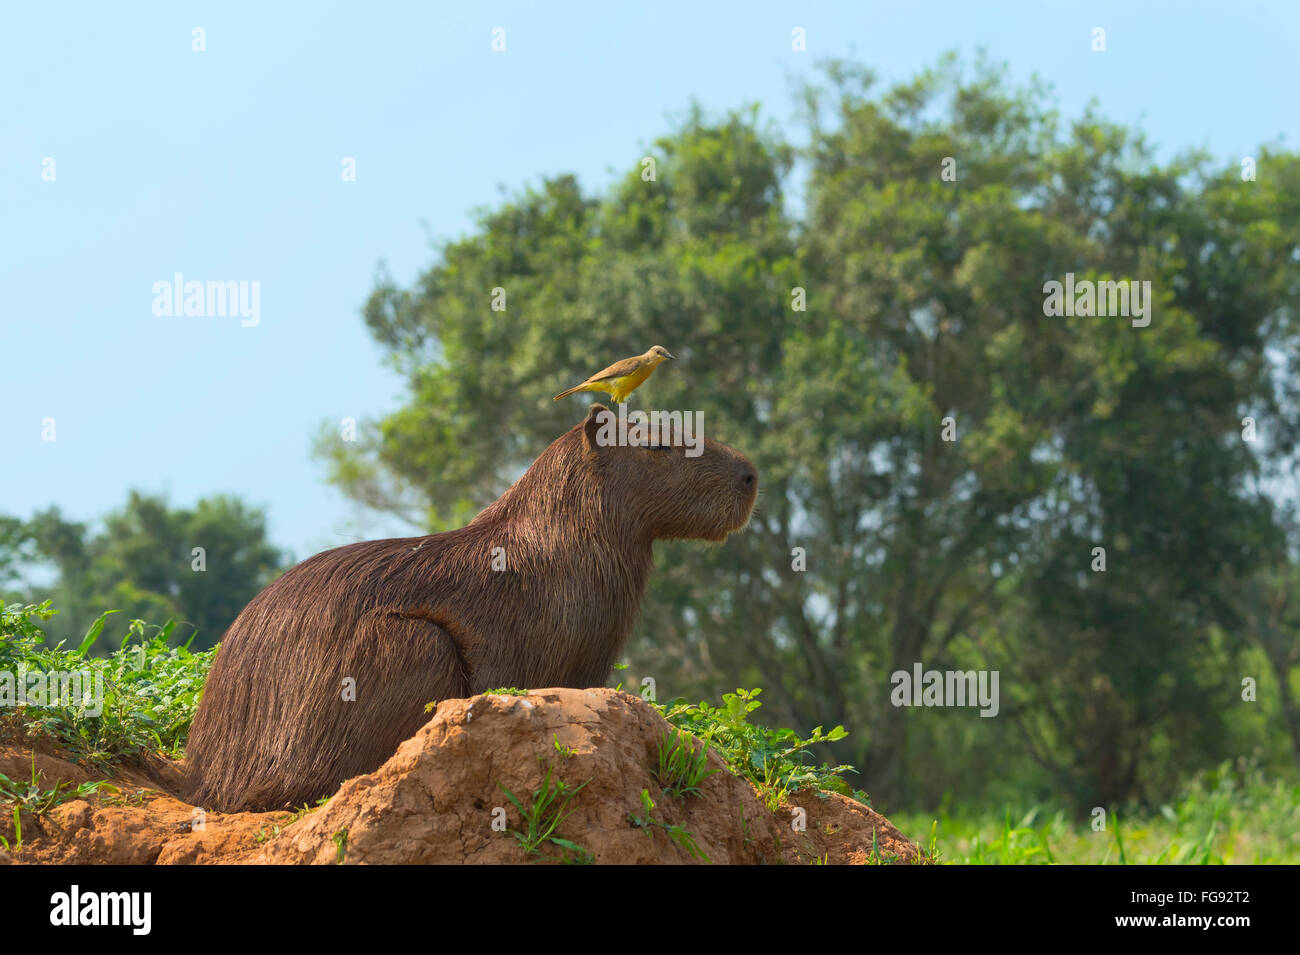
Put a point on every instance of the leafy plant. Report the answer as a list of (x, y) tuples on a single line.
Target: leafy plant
[(681, 767), (280, 825), (772, 787), (18, 833), (33, 798), (150, 689), (302, 811), (679, 834), (776, 761), (564, 751), (550, 805)]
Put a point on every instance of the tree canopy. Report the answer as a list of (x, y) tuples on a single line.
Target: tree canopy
[(148, 561)]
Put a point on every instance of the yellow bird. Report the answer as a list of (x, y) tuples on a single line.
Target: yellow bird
[(623, 377)]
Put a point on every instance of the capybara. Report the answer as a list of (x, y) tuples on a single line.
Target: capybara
[(539, 590)]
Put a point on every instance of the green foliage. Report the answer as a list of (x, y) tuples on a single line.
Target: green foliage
[(151, 689), (776, 761), (676, 833), (1228, 815), (565, 751), (876, 857), (30, 796), (263, 834), (550, 805), (681, 767), (142, 562), (17, 845)]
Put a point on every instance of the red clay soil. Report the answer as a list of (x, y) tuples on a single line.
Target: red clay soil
[(440, 799)]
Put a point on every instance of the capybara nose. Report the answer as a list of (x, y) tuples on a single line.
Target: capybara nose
[(748, 478)]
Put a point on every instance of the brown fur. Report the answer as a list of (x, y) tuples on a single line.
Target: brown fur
[(421, 619)]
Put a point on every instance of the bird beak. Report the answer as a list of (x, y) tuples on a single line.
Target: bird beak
[(669, 354)]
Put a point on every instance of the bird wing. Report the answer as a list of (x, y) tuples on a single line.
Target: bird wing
[(619, 369)]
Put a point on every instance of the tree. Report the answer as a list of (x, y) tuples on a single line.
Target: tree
[(945, 453), (143, 563), (1270, 603)]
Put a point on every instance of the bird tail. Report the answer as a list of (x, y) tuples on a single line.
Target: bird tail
[(574, 390)]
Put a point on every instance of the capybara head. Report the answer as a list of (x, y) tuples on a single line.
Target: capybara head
[(673, 483)]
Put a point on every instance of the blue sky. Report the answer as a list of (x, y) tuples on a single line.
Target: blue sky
[(225, 165)]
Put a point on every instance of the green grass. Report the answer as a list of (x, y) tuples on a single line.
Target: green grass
[(277, 827), (681, 766), (1229, 816), (151, 689), (548, 807), (32, 797), (566, 752), (678, 834)]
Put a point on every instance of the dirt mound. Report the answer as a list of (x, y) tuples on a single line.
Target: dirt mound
[(443, 798)]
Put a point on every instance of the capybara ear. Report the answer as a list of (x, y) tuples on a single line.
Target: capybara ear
[(595, 418)]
